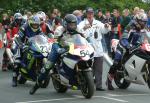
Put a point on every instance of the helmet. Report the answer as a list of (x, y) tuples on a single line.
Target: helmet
[(70, 22), (18, 18), (141, 17), (141, 20), (42, 16), (34, 22)]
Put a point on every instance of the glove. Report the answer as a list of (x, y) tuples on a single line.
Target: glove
[(25, 48), (128, 47), (50, 35), (61, 50)]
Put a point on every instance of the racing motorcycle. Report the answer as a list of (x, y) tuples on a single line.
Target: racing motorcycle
[(34, 57), (135, 66), (73, 69)]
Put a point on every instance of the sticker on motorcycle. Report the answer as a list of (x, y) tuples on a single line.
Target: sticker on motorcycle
[(83, 53), (43, 48)]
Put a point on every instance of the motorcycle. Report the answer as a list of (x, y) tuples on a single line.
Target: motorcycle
[(135, 66), (73, 69), (33, 58)]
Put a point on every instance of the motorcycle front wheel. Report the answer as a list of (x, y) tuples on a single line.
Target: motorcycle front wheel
[(46, 82), (120, 81), (22, 80), (87, 84)]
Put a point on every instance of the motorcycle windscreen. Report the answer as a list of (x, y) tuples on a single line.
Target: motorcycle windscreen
[(80, 47), (39, 43)]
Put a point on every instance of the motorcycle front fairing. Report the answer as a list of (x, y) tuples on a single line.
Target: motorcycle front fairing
[(79, 50), (140, 56), (40, 45)]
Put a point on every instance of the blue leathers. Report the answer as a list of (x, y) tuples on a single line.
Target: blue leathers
[(127, 43), (24, 33), (27, 32)]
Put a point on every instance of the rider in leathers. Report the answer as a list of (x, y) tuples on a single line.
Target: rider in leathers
[(12, 31), (30, 29), (130, 38), (64, 34)]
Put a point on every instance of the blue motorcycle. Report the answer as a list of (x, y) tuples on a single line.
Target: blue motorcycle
[(33, 58)]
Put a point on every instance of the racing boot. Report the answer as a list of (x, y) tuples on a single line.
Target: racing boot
[(109, 82), (15, 75), (14, 80), (42, 76), (5, 61)]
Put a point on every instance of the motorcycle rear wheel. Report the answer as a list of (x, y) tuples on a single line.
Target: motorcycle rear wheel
[(58, 86)]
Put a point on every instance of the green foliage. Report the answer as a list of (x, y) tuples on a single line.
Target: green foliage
[(67, 6)]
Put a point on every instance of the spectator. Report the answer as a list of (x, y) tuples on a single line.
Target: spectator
[(135, 11), (100, 15), (116, 21), (79, 15), (107, 37), (5, 21), (125, 19)]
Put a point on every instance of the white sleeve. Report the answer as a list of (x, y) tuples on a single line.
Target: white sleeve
[(81, 26), (103, 29), (58, 31), (81, 30)]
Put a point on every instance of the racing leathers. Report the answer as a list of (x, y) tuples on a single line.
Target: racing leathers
[(24, 33)]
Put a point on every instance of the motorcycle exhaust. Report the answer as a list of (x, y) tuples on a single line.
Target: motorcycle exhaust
[(108, 59), (10, 55)]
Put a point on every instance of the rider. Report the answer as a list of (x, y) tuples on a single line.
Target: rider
[(64, 32), (44, 26), (130, 38), (14, 28), (30, 29), (18, 22)]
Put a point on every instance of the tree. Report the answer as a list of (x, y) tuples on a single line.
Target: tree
[(67, 6)]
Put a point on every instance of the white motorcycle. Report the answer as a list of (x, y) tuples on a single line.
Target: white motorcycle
[(73, 69), (135, 65)]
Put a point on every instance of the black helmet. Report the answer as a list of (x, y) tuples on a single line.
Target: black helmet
[(70, 22)]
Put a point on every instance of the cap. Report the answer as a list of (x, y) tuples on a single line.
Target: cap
[(90, 9)]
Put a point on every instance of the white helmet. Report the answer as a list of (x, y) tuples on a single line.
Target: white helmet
[(18, 16), (42, 16), (34, 23), (141, 17)]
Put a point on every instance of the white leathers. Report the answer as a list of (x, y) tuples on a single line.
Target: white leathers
[(94, 31)]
